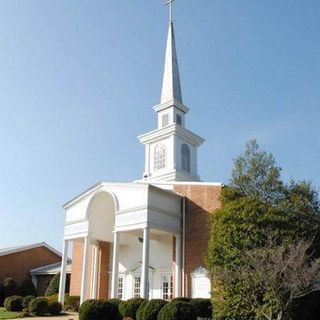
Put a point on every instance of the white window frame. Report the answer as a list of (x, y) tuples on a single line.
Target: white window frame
[(121, 279), (168, 295), (160, 156), (134, 286)]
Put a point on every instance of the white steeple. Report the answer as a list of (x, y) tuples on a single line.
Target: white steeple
[(171, 150), (171, 88)]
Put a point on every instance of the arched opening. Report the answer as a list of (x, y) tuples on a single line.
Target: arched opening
[(185, 158), (101, 216)]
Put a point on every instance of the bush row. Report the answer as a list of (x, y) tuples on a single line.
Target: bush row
[(37, 306), (141, 309), (9, 287)]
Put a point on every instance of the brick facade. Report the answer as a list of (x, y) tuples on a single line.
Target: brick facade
[(201, 200), (17, 265), (76, 271)]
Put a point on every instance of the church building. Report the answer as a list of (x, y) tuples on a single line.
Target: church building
[(146, 238)]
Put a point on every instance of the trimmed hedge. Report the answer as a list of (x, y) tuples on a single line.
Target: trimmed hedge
[(26, 301), (181, 299), (13, 303), (97, 310), (116, 303), (139, 313), (39, 306), (27, 288), (72, 303), (9, 287), (203, 307), (130, 307), (177, 310), (55, 308), (152, 308)]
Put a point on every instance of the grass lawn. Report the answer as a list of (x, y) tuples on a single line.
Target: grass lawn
[(4, 314)]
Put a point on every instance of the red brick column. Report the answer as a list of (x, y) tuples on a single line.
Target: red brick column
[(201, 200)]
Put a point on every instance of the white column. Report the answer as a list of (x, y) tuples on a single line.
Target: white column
[(85, 259), (145, 264), (63, 272), (178, 267), (115, 264), (95, 269)]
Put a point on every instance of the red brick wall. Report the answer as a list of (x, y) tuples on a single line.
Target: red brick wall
[(201, 200), (76, 271), (18, 265)]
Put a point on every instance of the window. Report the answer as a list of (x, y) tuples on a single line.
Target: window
[(185, 158), (136, 287), (120, 288), (159, 157), (166, 287), (179, 119), (165, 120)]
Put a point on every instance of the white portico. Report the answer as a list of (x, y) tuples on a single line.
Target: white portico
[(131, 216)]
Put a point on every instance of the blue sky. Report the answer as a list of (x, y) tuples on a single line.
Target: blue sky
[(78, 80)]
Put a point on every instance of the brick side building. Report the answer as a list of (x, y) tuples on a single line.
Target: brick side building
[(18, 262)]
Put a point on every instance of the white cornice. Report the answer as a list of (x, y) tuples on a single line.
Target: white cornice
[(173, 129)]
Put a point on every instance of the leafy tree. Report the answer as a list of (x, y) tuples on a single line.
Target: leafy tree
[(269, 280), (257, 206)]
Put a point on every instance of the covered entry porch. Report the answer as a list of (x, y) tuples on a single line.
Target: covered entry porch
[(127, 240)]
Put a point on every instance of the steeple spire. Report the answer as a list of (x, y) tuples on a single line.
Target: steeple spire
[(171, 88)]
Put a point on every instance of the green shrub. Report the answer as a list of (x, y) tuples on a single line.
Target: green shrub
[(130, 307), (10, 287), (152, 308), (52, 298), (72, 303), (116, 303), (181, 299), (178, 310), (53, 286), (13, 303), (97, 310), (27, 288), (203, 307), (39, 306), (26, 300), (1, 295), (55, 308), (139, 313)]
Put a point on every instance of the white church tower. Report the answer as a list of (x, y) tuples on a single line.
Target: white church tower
[(171, 149)]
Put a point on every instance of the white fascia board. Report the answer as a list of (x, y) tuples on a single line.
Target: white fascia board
[(29, 247), (169, 104), (95, 188), (192, 183), (167, 131)]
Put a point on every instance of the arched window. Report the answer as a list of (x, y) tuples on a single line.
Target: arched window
[(185, 158), (159, 156)]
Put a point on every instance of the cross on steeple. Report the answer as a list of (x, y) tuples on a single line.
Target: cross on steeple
[(170, 3)]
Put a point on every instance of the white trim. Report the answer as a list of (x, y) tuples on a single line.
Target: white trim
[(4, 252), (47, 270)]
